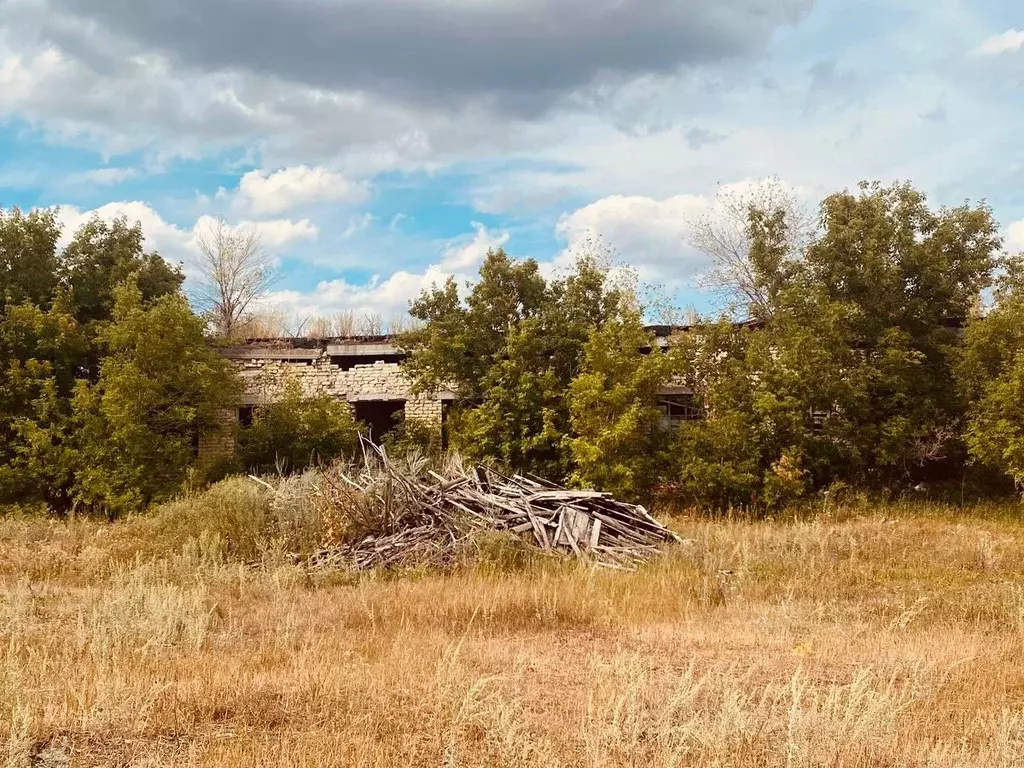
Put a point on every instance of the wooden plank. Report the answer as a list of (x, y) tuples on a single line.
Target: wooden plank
[(538, 526), (565, 495), (561, 527), (581, 527)]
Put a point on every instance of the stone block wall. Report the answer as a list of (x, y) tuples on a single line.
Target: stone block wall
[(265, 377), (265, 380), (221, 442), (425, 409)]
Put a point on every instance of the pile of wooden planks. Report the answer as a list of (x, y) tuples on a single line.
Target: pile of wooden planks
[(416, 518)]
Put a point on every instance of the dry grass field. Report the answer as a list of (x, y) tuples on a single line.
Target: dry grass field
[(883, 637)]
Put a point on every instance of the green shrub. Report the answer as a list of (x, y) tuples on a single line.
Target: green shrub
[(247, 519), (237, 511), (413, 437), (159, 385), (297, 433)]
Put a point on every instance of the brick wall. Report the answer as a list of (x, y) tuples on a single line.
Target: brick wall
[(265, 378), (222, 442)]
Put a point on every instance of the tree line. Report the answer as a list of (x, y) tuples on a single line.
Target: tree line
[(868, 360), (874, 343)]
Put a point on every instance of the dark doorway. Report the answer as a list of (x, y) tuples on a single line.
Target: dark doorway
[(246, 414), (446, 408), (379, 416)]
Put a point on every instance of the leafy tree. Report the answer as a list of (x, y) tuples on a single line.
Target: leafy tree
[(160, 385), (773, 425), (904, 278), (296, 432), (522, 418), (458, 341), (29, 266), (991, 373), (510, 350), (102, 256), (102, 388), (619, 443), (39, 351), (723, 460), (850, 374)]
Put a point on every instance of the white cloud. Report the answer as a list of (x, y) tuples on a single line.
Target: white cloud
[(1009, 41), (466, 256), (262, 192), (1015, 237), (278, 233), (173, 243), (105, 176), (358, 224), (390, 297), (648, 233), (177, 244)]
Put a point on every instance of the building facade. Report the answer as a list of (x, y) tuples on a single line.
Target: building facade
[(365, 372)]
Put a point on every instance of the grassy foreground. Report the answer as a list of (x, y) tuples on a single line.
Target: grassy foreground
[(877, 639)]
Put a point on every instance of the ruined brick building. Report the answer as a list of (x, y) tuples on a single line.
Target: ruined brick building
[(366, 372)]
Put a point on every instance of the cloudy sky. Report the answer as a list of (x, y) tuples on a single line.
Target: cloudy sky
[(383, 144)]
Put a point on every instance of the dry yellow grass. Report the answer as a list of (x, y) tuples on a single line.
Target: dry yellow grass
[(870, 640)]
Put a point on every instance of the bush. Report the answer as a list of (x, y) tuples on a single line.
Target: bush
[(246, 519), (236, 511), (159, 385), (297, 433), (413, 437)]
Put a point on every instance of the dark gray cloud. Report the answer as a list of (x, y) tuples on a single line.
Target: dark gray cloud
[(525, 53), (701, 137)]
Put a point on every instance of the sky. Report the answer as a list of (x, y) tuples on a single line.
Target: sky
[(381, 146)]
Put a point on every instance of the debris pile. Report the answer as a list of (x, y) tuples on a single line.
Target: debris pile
[(408, 517)]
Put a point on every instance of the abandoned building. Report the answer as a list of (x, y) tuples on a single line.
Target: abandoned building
[(366, 372)]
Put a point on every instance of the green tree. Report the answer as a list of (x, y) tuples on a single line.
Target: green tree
[(991, 374), (297, 432), (458, 341), (772, 397), (102, 389), (510, 351), (750, 421), (160, 385), (904, 278), (39, 351), (619, 443), (29, 266), (104, 255), (522, 417), (849, 374)]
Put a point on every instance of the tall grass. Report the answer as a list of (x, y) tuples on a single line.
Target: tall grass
[(865, 637)]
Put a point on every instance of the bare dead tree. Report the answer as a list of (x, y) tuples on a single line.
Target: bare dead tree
[(344, 324), (371, 324), (266, 324), (235, 272), (399, 324), (320, 327), (724, 235)]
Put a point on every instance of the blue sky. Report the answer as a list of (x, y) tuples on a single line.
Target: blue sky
[(381, 145)]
